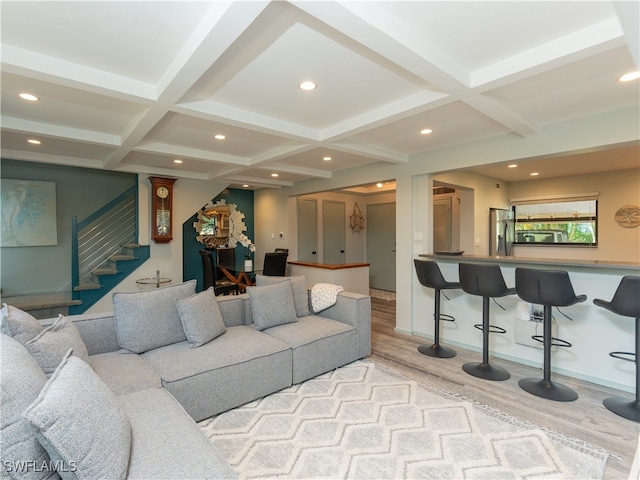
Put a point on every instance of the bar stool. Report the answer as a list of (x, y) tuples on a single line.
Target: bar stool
[(626, 302), (429, 275), (487, 282), (549, 288)]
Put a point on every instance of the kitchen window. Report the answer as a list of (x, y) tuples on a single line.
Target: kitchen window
[(557, 220)]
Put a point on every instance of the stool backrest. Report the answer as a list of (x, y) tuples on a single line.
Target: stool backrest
[(429, 274), (483, 280), (626, 300), (545, 287)]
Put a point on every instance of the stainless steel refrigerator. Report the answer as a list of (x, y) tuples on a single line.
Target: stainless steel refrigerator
[(501, 231)]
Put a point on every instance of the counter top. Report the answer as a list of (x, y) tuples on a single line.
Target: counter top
[(329, 266), (538, 261)]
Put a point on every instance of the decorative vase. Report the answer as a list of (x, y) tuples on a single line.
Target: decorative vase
[(248, 265)]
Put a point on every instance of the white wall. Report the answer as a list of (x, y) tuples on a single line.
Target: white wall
[(615, 189), (188, 197)]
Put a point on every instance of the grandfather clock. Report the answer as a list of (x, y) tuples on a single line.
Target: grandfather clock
[(161, 200)]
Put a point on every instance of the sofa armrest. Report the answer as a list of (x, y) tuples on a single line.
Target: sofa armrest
[(353, 309), (97, 330)]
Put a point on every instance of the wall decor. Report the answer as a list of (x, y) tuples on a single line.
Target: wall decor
[(221, 223), (628, 216), (161, 202), (28, 213), (356, 221)]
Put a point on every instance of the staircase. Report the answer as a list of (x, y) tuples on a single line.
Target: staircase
[(105, 250)]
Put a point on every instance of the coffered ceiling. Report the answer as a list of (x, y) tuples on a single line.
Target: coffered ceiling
[(133, 86)]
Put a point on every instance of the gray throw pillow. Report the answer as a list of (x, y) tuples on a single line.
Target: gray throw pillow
[(272, 305), (80, 423), (22, 380), (50, 346), (201, 317), (149, 319), (18, 324), (300, 290)]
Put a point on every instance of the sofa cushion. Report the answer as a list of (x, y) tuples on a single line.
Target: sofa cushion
[(124, 372), (201, 317), (149, 319), (231, 370), (22, 379), (318, 345), (272, 304), (51, 344), (80, 423), (167, 443), (18, 324), (299, 287)]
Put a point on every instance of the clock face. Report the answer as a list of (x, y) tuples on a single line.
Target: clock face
[(162, 192)]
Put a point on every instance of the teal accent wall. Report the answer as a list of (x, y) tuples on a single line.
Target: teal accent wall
[(191, 260), (80, 192)]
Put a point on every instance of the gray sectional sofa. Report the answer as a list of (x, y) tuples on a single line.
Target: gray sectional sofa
[(118, 395)]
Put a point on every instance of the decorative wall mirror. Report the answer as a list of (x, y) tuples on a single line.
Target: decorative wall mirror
[(222, 224)]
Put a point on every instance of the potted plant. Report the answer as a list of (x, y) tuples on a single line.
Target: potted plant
[(248, 262)]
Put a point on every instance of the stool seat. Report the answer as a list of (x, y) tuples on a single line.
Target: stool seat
[(429, 275), (626, 303), (487, 282), (549, 288)]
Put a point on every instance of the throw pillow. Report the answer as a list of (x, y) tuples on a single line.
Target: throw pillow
[(50, 345), (22, 380), (149, 319), (272, 305), (18, 324), (80, 423), (201, 317), (300, 291)]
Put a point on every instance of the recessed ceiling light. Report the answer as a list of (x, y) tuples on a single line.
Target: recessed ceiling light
[(245, 185), (628, 77), (177, 160), (534, 174), (274, 174), (513, 165), (379, 185), (426, 131), (29, 97), (307, 86), (219, 136), (326, 159), (34, 141)]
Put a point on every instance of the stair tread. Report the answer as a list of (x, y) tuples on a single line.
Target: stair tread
[(87, 286), (104, 271), (119, 257)]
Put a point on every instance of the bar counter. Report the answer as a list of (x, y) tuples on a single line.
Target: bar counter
[(593, 331), (354, 277)]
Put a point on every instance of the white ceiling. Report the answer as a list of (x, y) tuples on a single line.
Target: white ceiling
[(131, 86)]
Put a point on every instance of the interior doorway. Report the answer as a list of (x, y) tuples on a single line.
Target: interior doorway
[(333, 232), (307, 230), (381, 245)]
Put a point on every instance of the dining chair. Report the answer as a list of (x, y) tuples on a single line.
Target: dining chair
[(275, 264), (212, 278)]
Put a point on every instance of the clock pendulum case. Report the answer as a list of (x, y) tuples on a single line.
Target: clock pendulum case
[(161, 202)]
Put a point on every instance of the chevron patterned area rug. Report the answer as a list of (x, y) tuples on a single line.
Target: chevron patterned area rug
[(366, 421)]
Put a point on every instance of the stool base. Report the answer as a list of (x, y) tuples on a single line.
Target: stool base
[(486, 371), (626, 408), (437, 351), (548, 389)]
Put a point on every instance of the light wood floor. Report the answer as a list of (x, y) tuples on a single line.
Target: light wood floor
[(586, 418)]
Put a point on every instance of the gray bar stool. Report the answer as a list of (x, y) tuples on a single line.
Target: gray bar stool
[(549, 288), (487, 282), (429, 275), (626, 302)]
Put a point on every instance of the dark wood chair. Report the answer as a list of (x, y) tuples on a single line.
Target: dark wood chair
[(275, 264), (212, 277)]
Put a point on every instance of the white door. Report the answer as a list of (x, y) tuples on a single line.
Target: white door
[(333, 232), (307, 230), (381, 245)]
